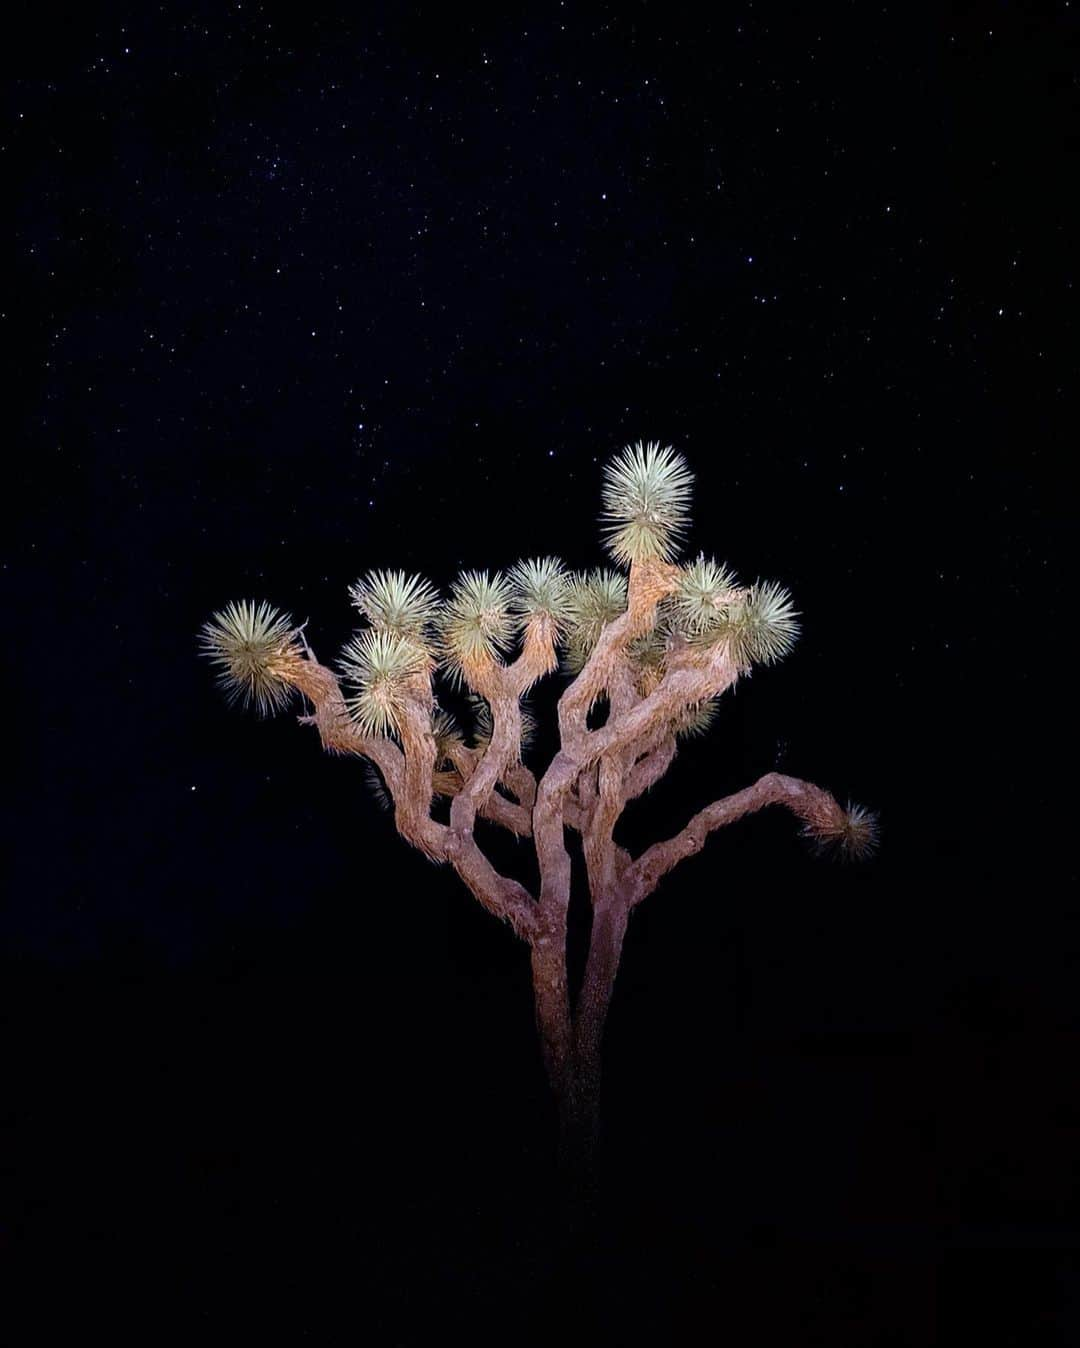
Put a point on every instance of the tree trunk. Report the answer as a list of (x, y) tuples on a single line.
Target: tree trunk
[(553, 1024), (577, 1126), (605, 950), (571, 1048)]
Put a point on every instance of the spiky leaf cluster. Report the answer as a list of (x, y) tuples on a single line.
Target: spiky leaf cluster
[(395, 602), (476, 624), (854, 836), (541, 588), (646, 503), (252, 645), (447, 736), (760, 628), (707, 591), (695, 721), (648, 655), (594, 600), (377, 665)]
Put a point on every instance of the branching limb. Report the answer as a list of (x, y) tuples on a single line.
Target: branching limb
[(650, 581), (502, 687), (501, 750), (338, 731), (408, 779), (611, 788), (823, 819), (515, 817), (651, 767), (518, 779)]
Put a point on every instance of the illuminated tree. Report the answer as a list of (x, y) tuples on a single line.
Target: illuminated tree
[(650, 648)]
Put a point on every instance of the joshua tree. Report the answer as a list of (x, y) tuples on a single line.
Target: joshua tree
[(650, 648)]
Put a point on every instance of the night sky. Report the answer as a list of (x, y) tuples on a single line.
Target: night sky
[(298, 292)]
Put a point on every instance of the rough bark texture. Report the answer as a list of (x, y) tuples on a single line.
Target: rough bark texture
[(586, 788)]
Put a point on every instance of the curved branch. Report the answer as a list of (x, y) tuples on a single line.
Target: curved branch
[(408, 778), (517, 818), (651, 766), (814, 806), (649, 582)]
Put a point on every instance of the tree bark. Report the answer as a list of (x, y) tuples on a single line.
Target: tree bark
[(571, 1048), (605, 950)]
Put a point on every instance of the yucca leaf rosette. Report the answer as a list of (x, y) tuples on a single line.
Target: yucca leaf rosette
[(253, 646), (593, 601), (540, 589), (646, 503), (695, 721), (395, 602), (706, 593), (476, 625), (376, 667), (648, 657), (760, 627), (448, 737), (852, 834)]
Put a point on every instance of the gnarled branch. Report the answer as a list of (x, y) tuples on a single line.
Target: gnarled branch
[(820, 813)]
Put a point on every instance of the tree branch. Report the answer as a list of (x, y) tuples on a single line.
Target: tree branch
[(517, 818), (408, 777), (651, 766), (815, 807)]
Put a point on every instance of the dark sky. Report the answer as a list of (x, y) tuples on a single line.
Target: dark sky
[(295, 293)]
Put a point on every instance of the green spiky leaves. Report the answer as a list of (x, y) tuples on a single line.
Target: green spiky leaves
[(394, 602), (697, 720), (759, 627), (447, 736), (766, 625), (852, 836), (593, 601), (377, 665), (646, 503), (541, 588), (648, 656), (477, 624), (707, 590), (252, 645)]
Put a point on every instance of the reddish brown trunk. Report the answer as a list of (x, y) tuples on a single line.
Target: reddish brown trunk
[(605, 950), (571, 1047), (552, 1003), (577, 1130)]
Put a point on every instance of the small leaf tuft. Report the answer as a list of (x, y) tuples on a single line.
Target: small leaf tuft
[(853, 836), (377, 664), (760, 627), (394, 602), (253, 646), (646, 503), (447, 736), (594, 600), (695, 721), (540, 588), (707, 592), (476, 624)]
